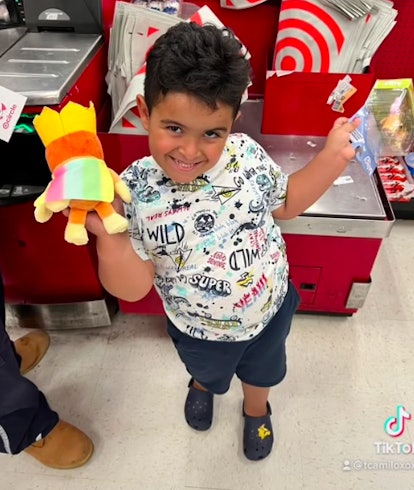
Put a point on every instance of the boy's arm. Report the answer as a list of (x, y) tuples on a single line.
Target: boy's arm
[(121, 271), (308, 184)]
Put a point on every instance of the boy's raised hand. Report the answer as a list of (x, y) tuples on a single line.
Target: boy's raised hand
[(338, 141)]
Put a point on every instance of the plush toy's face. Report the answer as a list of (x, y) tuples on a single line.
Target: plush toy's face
[(82, 143)]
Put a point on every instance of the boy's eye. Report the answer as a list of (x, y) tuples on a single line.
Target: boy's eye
[(174, 129), (212, 134)]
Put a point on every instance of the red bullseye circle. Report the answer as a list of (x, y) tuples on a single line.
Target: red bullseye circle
[(288, 63), (310, 31)]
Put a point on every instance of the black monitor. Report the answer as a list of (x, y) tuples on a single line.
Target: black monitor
[(11, 14), (81, 16)]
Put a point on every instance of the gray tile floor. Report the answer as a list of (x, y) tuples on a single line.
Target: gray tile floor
[(125, 386)]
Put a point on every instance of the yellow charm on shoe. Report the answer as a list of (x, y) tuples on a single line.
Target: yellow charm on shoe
[(31, 348), (64, 448)]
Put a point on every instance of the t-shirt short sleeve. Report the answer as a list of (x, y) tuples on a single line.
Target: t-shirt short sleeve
[(254, 151), (131, 178)]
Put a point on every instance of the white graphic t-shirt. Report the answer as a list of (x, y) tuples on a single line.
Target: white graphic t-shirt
[(220, 260)]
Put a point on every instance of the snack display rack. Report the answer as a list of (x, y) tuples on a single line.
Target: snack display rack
[(398, 181), (394, 60)]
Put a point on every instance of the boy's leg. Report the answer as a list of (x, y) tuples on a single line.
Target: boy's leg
[(26, 420), (264, 365), (255, 400), (212, 366), (198, 386), (258, 431)]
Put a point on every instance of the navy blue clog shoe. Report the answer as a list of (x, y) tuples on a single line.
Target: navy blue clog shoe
[(258, 435), (198, 409)]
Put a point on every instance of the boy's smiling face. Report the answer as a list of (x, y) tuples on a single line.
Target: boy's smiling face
[(186, 137)]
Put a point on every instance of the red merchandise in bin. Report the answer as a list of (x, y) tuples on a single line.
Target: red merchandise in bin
[(296, 104)]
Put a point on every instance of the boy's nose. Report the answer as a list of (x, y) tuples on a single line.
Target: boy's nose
[(190, 150)]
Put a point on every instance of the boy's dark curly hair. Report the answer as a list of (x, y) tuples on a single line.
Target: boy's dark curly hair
[(205, 62)]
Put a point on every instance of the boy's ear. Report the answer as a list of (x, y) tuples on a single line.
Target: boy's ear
[(143, 111)]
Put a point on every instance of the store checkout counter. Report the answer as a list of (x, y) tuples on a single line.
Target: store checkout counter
[(52, 52), (333, 245)]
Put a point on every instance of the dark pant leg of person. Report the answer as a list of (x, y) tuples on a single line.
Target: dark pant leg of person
[(24, 412)]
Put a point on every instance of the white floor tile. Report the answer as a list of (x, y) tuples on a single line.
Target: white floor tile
[(125, 386)]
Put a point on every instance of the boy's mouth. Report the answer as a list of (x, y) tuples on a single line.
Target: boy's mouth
[(184, 166)]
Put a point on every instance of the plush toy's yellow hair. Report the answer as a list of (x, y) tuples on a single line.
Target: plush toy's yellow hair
[(51, 125)]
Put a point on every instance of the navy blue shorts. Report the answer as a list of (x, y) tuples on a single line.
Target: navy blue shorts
[(260, 361)]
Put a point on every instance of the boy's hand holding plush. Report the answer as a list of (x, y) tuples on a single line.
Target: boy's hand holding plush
[(81, 181)]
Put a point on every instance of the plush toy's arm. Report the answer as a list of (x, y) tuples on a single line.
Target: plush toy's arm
[(120, 187), (57, 206), (42, 213)]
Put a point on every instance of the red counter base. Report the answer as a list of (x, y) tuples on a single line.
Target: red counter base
[(323, 269), (38, 266)]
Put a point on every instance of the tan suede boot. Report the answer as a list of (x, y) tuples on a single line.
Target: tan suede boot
[(64, 448), (31, 348)]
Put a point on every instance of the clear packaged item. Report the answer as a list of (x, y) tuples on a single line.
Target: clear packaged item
[(366, 139), (409, 161), (391, 102)]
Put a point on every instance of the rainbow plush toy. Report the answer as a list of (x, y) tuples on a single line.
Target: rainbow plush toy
[(81, 180)]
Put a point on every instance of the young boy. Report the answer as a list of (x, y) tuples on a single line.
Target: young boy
[(202, 226)]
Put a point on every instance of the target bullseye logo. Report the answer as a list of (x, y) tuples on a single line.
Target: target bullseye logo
[(308, 37)]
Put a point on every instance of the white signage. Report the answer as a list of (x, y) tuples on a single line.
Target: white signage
[(11, 106)]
